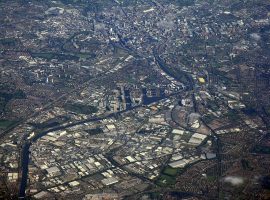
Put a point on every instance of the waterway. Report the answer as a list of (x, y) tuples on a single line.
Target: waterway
[(26, 151), (26, 147)]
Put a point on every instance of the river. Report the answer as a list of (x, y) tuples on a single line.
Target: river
[(26, 147)]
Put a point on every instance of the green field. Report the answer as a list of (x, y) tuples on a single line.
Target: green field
[(232, 115), (165, 180), (180, 2), (58, 56), (211, 178), (94, 131), (5, 97), (170, 171), (6, 123), (80, 108), (246, 164), (8, 41), (208, 118), (261, 149)]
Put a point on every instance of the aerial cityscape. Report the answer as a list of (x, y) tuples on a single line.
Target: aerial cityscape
[(135, 99)]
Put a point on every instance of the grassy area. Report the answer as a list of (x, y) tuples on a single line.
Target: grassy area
[(170, 171), (50, 123), (5, 97), (81, 108), (15, 95), (184, 2), (249, 111), (94, 131), (221, 196), (180, 2), (208, 118), (265, 182), (261, 149), (50, 56), (267, 110), (232, 115), (211, 178), (8, 41), (211, 104), (154, 195), (92, 6), (85, 55), (120, 52), (165, 180), (129, 2), (246, 164), (6, 123), (186, 136)]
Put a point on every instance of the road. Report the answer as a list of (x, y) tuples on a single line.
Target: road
[(27, 143)]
